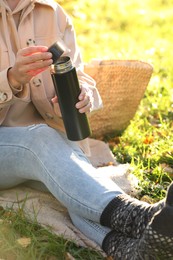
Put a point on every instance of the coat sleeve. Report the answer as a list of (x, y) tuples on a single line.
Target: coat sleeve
[(5, 90), (69, 38), (8, 94)]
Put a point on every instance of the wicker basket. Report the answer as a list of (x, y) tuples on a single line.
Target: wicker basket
[(121, 84)]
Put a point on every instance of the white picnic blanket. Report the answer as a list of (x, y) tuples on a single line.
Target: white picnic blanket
[(49, 212)]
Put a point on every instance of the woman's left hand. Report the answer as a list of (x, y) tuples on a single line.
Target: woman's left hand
[(56, 106), (85, 103)]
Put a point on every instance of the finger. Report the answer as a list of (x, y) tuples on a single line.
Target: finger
[(33, 49), (84, 105), (57, 109), (37, 57), (86, 108), (54, 99), (82, 93), (83, 102), (37, 66)]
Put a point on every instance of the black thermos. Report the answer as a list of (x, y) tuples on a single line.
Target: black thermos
[(67, 88)]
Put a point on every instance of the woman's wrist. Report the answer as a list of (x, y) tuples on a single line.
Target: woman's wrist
[(12, 81)]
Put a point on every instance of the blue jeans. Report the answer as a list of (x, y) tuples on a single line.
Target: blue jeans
[(41, 153)]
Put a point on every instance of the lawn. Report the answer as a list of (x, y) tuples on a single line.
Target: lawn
[(129, 29)]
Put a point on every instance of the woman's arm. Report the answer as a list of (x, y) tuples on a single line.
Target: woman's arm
[(30, 61)]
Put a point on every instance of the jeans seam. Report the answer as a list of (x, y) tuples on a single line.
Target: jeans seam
[(95, 226)]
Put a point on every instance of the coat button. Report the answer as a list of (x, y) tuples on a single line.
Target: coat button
[(30, 42), (48, 115), (37, 82), (3, 96)]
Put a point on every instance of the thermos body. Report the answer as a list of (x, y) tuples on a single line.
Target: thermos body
[(67, 88)]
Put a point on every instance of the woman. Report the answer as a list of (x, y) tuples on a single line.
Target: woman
[(34, 147)]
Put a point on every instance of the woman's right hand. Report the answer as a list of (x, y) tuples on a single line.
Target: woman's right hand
[(30, 61)]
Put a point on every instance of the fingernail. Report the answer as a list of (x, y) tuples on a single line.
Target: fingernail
[(49, 55)]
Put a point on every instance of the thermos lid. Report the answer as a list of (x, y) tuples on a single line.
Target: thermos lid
[(57, 50)]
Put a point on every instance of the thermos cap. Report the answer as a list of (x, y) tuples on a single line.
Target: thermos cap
[(57, 50)]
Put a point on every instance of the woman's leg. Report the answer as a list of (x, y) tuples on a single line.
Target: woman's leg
[(41, 153), (92, 230)]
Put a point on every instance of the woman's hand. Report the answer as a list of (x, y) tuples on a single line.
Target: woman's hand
[(85, 103), (56, 106), (30, 61)]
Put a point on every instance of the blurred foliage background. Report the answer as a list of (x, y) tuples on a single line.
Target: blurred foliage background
[(127, 29)]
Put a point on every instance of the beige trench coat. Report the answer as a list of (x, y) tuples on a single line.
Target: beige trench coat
[(41, 23)]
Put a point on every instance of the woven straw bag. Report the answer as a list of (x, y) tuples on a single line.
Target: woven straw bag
[(121, 84)]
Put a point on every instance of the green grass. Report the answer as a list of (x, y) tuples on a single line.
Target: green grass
[(42, 244), (129, 29)]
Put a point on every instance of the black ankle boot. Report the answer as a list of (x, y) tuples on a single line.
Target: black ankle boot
[(129, 215)]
